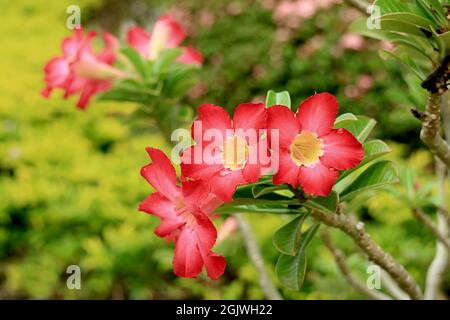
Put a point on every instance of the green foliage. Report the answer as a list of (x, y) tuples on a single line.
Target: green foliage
[(278, 98), (419, 28), (69, 182)]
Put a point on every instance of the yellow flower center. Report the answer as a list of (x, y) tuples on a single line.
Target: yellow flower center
[(235, 153), (306, 149)]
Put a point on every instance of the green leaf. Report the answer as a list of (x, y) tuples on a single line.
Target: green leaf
[(345, 117), (180, 80), (389, 6), (291, 270), (261, 190), (287, 238), (118, 94), (137, 61), (410, 18), (360, 128), (432, 10), (407, 179), (278, 99), (403, 27), (165, 60), (376, 176), (325, 204)]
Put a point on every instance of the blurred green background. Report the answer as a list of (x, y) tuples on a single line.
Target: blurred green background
[(70, 183)]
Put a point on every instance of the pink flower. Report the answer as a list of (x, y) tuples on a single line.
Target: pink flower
[(311, 151), (167, 33), (184, 212), (80, 70), (227, 152), (352, 42)]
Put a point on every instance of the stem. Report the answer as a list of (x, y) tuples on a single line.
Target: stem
[(441, 261), (373, 251), (392, 287), (431, 124), (422, 217), (360, 5), (339, 258), (255, 256)]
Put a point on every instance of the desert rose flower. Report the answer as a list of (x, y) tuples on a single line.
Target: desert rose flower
[(311, 151), (167, 33), (227, 152), (80, 69), (184, 212)]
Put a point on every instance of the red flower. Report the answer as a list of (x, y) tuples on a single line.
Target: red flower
[(226, 153), (80, 70), (184, 212), (167, 33), (311, 151)]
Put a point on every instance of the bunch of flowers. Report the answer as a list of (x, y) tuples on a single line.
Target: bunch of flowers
[(81, 70), (299, 148), (265, 159)]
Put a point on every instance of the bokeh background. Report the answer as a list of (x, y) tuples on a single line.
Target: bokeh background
[(69, 179)]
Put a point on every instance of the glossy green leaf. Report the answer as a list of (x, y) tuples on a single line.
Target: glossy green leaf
[(278, 98), (345, 117), (165, 60), (407, 179), (376, 176), (261, 190), (287, 238), (291, 270), (403, 27), (136, 60), (360, 128), (410, 18), (325, 204), (432, 10), (389, 6)]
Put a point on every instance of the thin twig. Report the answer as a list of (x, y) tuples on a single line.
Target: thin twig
[(341, 262), (255, 256), (431, 125), (358, 4), (373, 251), (422, 217), (441, 261), (392, 287)]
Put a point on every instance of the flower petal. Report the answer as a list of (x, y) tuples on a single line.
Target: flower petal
[(190, 56), (317, 113), (57, 71), (192, 247), (161, 174), (108, 54), (215, 265), (224, 184), (342, 150), (195, 192), (139, 39), (175, 32), (187, 260), (317, 179), (161, 207), (287, 169), (282, 119), (212, 118), (250, 116), (197, 164)]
